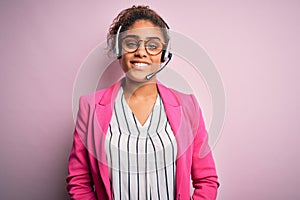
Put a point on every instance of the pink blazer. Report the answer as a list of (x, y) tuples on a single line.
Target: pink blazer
[(88, 173)]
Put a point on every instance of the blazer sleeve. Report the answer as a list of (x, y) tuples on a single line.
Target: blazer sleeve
[(79, 178), (204, 176)]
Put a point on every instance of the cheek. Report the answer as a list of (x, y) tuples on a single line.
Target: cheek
[(124, 63), (156, 59), (124, 66)]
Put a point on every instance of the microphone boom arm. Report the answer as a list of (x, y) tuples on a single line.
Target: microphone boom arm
[(149, 76)]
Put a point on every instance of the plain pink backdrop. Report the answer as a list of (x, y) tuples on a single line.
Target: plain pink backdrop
[(255, 46)]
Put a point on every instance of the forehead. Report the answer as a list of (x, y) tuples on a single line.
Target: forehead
[(144, 29), (144, 33)]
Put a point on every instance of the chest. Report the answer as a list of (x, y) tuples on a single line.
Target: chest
[(141, 156)]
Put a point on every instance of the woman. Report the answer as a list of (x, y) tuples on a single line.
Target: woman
[(139, 139)]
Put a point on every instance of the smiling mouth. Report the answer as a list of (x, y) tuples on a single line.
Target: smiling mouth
[(139, 64)]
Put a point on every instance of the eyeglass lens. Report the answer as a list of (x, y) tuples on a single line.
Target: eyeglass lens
[(152, 46)]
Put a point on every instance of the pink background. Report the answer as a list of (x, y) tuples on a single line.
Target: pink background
[(254, 45)]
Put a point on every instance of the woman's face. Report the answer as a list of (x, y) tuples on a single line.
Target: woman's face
[(139, 63)]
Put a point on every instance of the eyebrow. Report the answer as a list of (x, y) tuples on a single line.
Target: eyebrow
[(137, 37)]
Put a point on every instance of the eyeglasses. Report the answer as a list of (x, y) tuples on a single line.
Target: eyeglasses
[(152, 46)]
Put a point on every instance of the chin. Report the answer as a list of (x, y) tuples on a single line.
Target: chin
[(139, 78)]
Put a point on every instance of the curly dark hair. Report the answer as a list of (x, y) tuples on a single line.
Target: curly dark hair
[(128, 17)]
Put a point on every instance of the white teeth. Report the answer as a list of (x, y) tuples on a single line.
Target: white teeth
[(141, 64)]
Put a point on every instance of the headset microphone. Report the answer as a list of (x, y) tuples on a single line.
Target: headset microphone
[(149, 76)]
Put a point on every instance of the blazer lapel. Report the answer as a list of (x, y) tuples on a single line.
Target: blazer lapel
[(173, 109), (103, 114), (172, 106), (104, 106)]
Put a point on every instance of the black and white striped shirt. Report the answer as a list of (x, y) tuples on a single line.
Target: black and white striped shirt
[(141, 158)]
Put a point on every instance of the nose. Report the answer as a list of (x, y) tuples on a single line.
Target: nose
[(141, 50)]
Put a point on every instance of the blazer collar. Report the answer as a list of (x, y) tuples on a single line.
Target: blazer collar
[(106, 99), (167, 95), (109, 95)]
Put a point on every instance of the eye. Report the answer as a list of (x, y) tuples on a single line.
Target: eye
[(153, 45), (130, 43)]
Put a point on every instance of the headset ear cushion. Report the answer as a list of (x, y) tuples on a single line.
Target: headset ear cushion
[(119, 54), (163, 58), (117, 49)]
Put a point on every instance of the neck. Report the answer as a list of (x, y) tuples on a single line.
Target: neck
[(140, 90)]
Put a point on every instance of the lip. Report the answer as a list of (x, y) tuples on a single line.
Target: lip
[(139, 61), (137, 64)]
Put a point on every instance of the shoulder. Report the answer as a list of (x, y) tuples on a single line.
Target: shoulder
[(189, 107), (183, 99), (102, 96)]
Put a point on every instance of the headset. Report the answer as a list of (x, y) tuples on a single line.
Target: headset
[(165, 55)]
